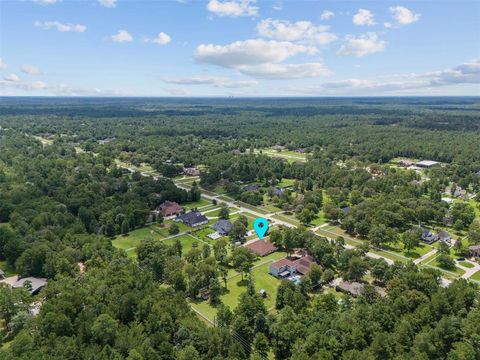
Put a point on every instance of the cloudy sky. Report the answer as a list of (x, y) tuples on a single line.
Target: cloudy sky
[(239, 48)]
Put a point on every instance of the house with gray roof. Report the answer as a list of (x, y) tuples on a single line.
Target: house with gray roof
[(33, 284), (223, 227), (193, 218), (251, 187), (445, 237)]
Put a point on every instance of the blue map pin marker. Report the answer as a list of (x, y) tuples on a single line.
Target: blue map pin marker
[(261, 226)]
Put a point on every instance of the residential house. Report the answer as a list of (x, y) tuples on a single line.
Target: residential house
[(193, 218), (285, 268), (405, 163), (251, 187), (445, 237), (191, 171), (426, 235), (261, 247), (475, 250), (356, 289), (351, 287), (223, 227), (346, 210), (278, 191), (278, 147), (33, 284), (427, 164), (170, 208)]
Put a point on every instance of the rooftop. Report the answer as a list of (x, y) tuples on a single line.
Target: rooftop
[(261, 247)]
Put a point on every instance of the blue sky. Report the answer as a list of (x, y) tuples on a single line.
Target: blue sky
[(239, 48)]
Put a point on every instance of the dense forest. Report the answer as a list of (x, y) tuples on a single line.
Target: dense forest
[(70, 183)]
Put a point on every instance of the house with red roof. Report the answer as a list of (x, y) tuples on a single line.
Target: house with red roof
[(170, 208), (261, 247)]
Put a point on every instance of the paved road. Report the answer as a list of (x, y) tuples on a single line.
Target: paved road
[(468, 271)]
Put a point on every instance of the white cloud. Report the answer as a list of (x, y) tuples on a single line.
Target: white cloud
[(464, 74), (303, 31), (364, 17), (161, 39), (387, 25), (233, 8), (285, 71), (108, 3), (217, 81), (47, 25), (122, 36), (46, 2), (179, 91), (277, 6), (361, 45), (31, 70), (326, 14), (54, 89), (249, 52), (404, 16), (261, 58), (3, 65), (11, 78)]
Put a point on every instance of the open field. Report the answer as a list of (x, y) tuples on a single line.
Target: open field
[(235, 287), (290, 156), (133, 238), (187, 242)]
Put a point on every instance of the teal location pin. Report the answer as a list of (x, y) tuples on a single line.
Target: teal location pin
[(261, 226)]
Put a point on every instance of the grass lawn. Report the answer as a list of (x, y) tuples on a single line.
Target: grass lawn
[(163, 231), (187, 242), (319, 219), (217, 212), (196, 204), (457, 270), (252, 207), (466, 264), (7, 269), (476, 276), (286, 218), (286, 183), (202, 234), (235, 287), (133, 238)]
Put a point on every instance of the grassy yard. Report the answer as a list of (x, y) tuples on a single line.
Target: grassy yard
[(196, 204), (235, 287), (466, 264), (133, 238), (319, 219), (286, 183), (476, 276), (187, 242), (287, 218), (163, 231)]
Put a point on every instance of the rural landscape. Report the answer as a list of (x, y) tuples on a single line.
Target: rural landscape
[(239, 180), (140, 225)]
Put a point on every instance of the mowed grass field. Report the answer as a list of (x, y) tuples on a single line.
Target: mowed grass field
[(235, 287)]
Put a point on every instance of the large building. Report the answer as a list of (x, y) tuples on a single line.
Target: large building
[(170, 208), (261, 247), (285, 268), (193, 218), (427, 163)]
